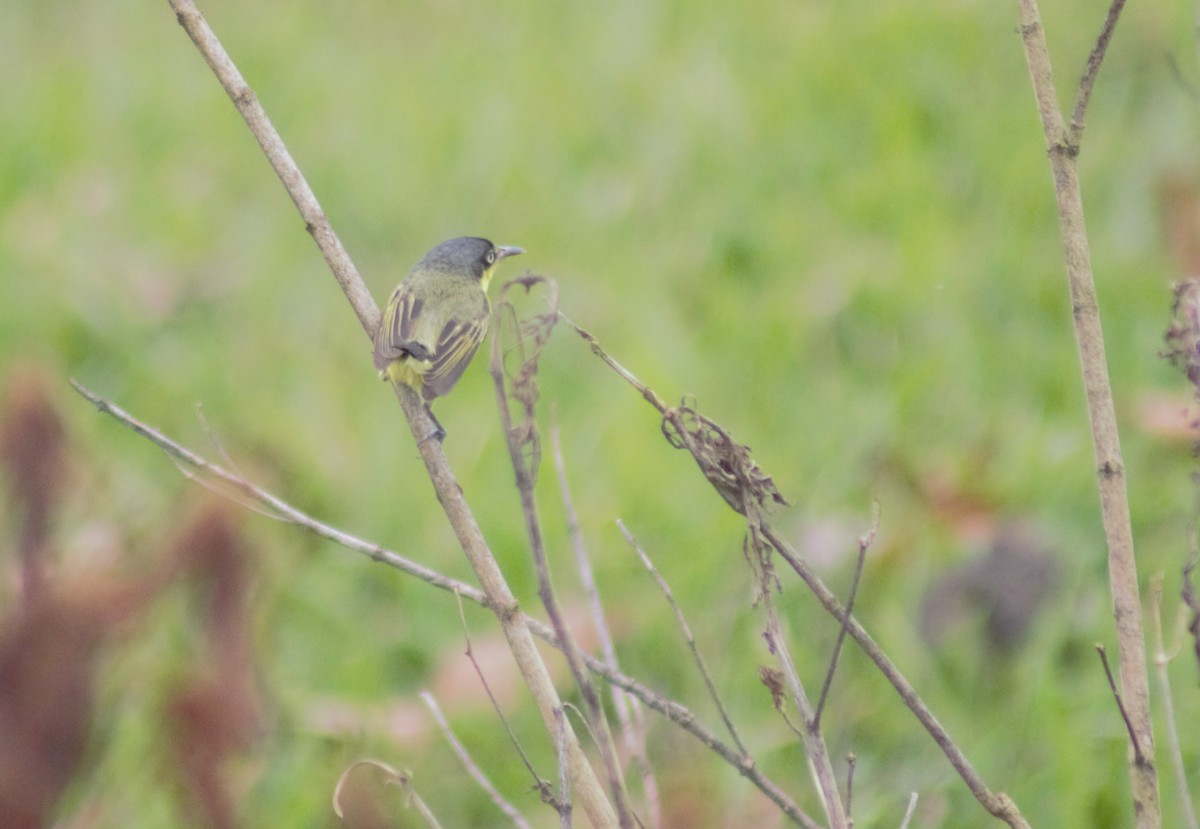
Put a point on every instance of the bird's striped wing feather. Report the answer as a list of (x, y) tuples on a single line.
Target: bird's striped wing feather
[(439, 364), (395, 337), (456, 346)]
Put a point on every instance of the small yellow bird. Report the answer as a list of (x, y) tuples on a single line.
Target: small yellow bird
[(437, 317)]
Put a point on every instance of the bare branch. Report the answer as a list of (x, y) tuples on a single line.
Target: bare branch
[(908, 813), (275, 507), (864, 543), (564, 779), (1112, 685), (1190, 599), (998, 804), (543, 788), (814, 744), (851, 762), (629, 712), (672, 710), (1088, 81), (1063, 147), (472, 768), (687, 635), (1161, 661), (646, 392)]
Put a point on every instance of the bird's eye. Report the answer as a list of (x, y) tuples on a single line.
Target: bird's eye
[(490, 257)]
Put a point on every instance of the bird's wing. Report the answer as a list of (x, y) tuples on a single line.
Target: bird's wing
[(456, 346), (396, 336)]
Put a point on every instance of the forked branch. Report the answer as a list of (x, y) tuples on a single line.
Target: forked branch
[(1063, 146)]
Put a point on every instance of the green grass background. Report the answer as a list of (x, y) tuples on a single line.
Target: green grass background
[(831, 223)]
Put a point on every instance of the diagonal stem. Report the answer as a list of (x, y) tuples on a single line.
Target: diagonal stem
[(500, 599)]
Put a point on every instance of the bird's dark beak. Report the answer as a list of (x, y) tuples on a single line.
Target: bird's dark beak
[(503, 251)]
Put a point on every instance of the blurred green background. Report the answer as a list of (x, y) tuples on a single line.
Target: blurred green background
[(831, 223)]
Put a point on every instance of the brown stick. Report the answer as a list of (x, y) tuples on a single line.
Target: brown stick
[(519, 438), (686, 630), (819, 763), (500, 599), (864, 543)]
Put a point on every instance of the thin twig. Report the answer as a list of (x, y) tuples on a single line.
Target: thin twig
[(647, 393), (1161, 661), (214, 441), (683, 717), (564, 778), (274, 506), (519, 438), (500, 598), (851, 762), (864, 543), (543, 788), (687, 635), (1112, 684), (629, 712), (281, 510), (1192, 602), (908, 813), (470, 765), (396, 778), (583, 564), (814, 743), (1088, 81), (998, 804), (219, 488), (1187, 593), (410, 791), (588, 790)]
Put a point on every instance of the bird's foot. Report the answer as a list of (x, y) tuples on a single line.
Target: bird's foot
[(437, 433)]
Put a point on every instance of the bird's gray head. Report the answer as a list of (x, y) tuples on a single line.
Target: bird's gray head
[(467, 255)]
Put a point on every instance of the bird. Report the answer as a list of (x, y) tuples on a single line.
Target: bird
[(437, 317)]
